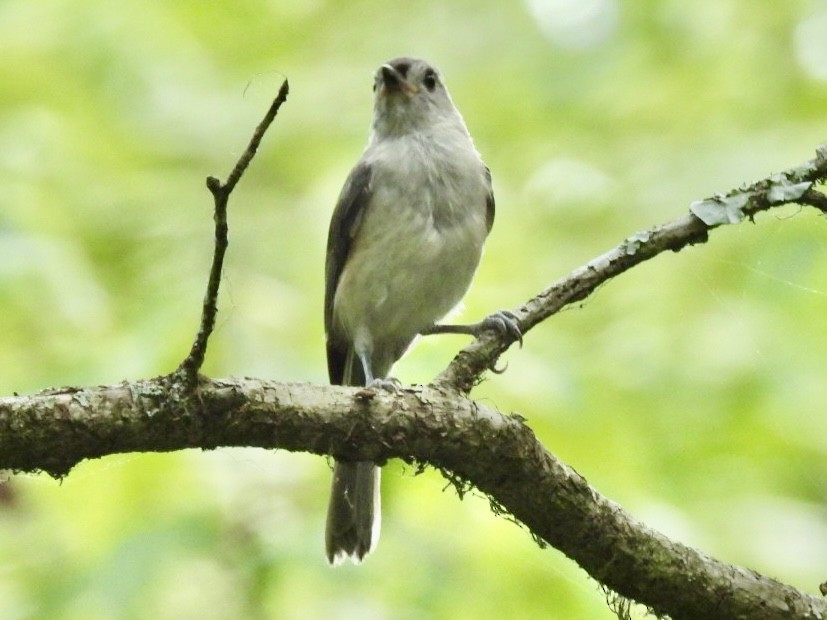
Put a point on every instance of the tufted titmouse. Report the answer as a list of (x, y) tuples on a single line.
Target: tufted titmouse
[(404, 242)]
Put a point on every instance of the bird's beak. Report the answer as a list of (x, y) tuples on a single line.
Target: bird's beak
[(393, 81)]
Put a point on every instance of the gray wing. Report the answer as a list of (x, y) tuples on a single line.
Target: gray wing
[(345, 223), (489, 201)]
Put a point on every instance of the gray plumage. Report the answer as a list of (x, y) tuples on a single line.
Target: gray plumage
[(405, 239)]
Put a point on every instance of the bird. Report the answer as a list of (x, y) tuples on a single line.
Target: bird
[(405, 239)]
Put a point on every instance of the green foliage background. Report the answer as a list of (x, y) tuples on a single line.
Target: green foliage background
[(691, 391)]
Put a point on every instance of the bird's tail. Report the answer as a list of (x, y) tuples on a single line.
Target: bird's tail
[(354, 514)]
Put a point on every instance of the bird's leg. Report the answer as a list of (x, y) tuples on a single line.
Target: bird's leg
[(389, 384), (502, 322)]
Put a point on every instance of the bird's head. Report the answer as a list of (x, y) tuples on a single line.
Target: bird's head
[(410, 95)]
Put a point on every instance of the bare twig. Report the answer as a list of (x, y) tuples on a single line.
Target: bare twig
[(791, 186), (221, 194)]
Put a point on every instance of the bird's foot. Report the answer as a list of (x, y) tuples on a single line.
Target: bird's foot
[(503, 322), (388, 384)]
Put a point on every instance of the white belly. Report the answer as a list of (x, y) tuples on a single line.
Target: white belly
[(404, 276)]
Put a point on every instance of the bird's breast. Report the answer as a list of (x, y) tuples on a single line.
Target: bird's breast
[(416, 250)]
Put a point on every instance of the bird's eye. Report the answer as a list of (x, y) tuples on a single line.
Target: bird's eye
[(429, 81)]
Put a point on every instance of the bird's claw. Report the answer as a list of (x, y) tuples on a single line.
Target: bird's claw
[(504, 322), (388, 384)]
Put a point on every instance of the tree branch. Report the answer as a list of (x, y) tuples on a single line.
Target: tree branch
[(498, 454), (791, 186), (221, 195)]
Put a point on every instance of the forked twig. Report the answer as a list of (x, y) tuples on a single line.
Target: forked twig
[(221, 195)]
